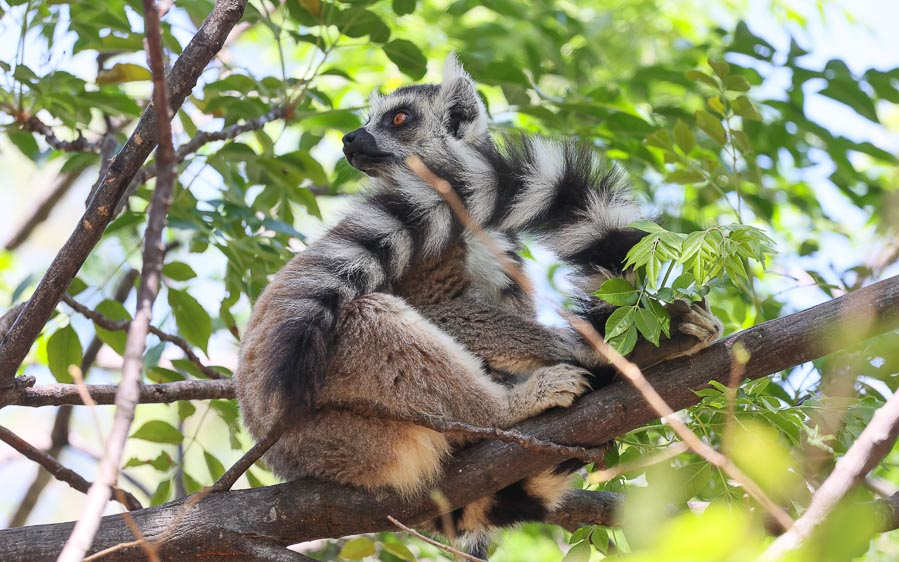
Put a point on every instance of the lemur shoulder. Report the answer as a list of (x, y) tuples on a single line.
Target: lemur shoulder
[(399, 307)]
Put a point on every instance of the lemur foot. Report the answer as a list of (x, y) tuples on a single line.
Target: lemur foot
[(558, 385), (693, 327)]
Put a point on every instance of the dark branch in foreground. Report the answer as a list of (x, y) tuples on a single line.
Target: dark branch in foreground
[(309, 509), (181, 80)]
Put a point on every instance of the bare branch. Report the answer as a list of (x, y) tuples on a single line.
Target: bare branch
[(128, 393), (198, 141), (185, 72), (246, 461), (104, 394), (441, 546), (443, 425), (117, 325), (874, 443), (81, 144), (59, 471)]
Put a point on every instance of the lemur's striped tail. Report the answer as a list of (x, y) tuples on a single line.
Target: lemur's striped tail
[(401, 221)]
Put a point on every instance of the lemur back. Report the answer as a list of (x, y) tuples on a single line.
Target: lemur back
[(397, 308)]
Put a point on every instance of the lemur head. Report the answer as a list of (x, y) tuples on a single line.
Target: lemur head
[(418, 120)]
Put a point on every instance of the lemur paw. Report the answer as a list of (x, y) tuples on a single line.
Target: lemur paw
[(696, 320), (559, 385), (693, 327)]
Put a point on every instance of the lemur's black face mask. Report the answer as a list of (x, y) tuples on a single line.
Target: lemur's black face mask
[(362, 152)]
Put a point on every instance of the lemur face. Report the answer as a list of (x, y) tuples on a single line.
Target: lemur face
[(418, 120)]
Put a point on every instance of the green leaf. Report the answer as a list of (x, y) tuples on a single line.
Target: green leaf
[(193, 321), (215, 467), (619, 321), (162, 493), (685, 177), (357, 549), (76, 287), (123, 72), (115, 339), (711, 125), (178, 271), (25, 142), (400, 551), (847, 91), (185, 409), (648, 325), (683, 137), (403, 7), (407, 57), (63, 350), (721, 68), (578, 553), (737, 83), (745, 109), (158, 431), (701, 77), (618, 291)]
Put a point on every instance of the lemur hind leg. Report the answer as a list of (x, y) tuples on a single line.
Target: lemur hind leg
[(693, 328)]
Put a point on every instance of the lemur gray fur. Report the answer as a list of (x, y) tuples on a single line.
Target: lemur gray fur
[(398, 306)]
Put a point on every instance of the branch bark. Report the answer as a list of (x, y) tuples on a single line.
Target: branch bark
[(181, 80), (104, 394), (128, 393), (309, 509)]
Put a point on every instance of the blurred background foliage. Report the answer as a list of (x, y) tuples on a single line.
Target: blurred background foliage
[(708, 116)]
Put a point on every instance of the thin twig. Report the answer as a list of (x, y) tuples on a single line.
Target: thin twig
[(228, 479), (119, 325), (443, 425), (104, 394), (874, 443), (198, 141), (81, 144), (128, 394), (606, 474), (432, 542), (60, 472)]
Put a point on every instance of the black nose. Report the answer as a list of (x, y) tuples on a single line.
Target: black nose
[(349, 137)]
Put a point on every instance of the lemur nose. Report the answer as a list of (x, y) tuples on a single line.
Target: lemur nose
[(349, 137)]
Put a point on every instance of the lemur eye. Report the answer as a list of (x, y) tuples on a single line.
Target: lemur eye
[(400, 118)]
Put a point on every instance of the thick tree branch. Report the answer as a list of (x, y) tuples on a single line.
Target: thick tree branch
[(181, 80), (308, 509)]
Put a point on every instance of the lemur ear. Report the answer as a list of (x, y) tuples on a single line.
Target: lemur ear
[(464, 112)]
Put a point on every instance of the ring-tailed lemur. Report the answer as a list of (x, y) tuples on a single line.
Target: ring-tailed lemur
[(398, 307)]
